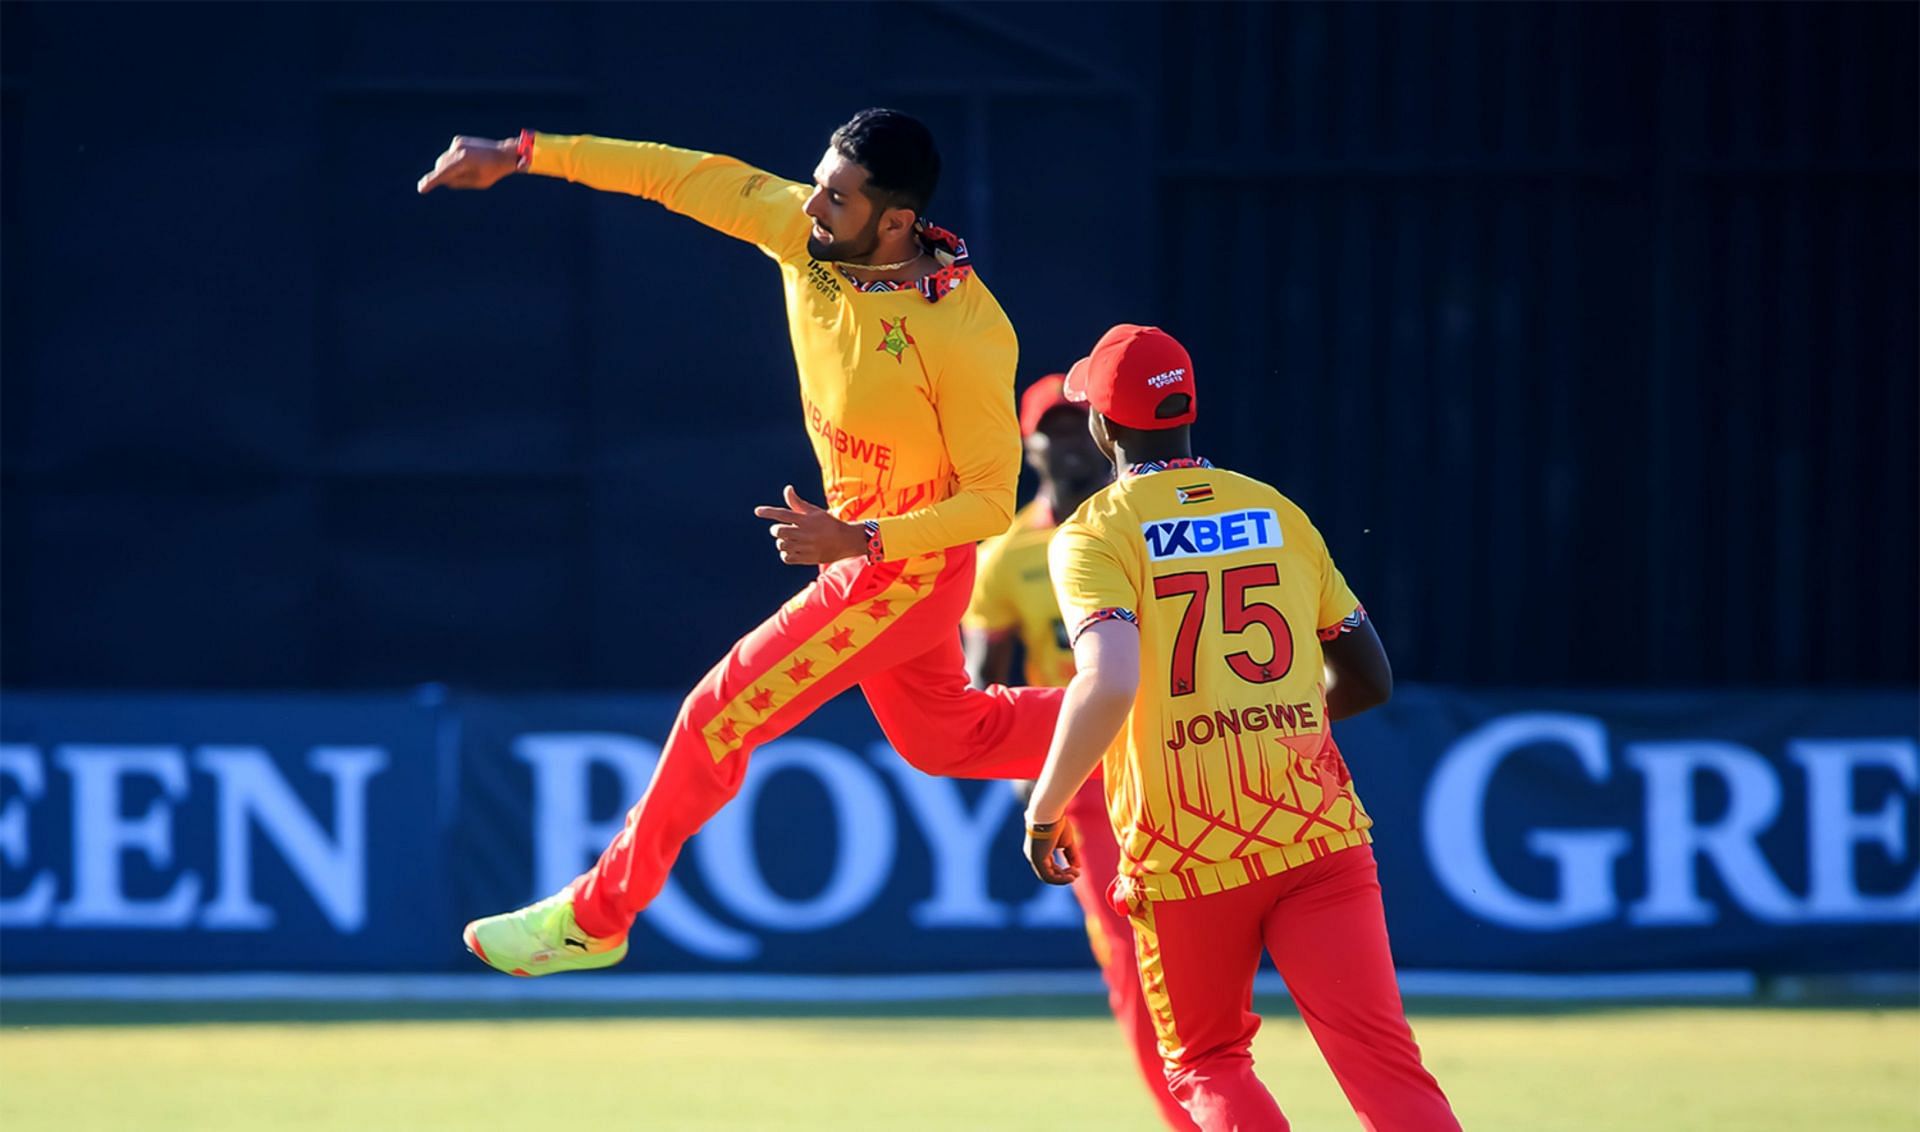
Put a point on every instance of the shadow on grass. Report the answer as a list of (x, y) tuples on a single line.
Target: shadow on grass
[(23, 1015)]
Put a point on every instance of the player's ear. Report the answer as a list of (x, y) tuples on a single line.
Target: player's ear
[(897, 221), (1102, 435)]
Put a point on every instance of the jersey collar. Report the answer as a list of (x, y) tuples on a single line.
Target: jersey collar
[(1148, 467), (949, 251)]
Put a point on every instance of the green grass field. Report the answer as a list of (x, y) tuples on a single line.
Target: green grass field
[(1039, 1064)]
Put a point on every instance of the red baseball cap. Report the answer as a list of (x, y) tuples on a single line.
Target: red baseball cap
[(1041, 398), (1131, 372)]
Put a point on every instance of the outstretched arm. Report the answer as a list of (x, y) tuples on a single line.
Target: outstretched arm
[(723, 193)]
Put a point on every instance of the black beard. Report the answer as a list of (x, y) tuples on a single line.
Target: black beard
[(840, 251)]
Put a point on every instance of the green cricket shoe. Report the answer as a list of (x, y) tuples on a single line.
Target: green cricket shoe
[(540, 939)]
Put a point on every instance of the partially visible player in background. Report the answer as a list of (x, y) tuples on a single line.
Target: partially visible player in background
[(1013, 612), (906, 364), (1214, 641), (1012, 609)]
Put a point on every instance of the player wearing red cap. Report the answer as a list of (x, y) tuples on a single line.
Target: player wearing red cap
[(1213, 641), (906, 368), (1013, 611)]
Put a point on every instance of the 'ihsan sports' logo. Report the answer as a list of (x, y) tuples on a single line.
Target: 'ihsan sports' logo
[(1212, 534)]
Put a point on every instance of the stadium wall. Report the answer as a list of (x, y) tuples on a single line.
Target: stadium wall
[(1586, 331)]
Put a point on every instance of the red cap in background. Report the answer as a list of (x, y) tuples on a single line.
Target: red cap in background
[(1131, 371), (1041, 398)]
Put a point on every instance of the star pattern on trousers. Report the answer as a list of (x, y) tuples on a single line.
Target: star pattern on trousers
[(727, 732), (880, 610), (911, 582), (800, 671), (761, 700), (841, 641)]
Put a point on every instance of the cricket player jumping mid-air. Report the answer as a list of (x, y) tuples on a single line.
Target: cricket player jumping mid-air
[(906, 367)]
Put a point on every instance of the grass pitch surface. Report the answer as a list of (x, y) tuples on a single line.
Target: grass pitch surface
[(1010, 1064)]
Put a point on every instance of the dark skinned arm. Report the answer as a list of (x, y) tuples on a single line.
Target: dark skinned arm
[(1358, 675)]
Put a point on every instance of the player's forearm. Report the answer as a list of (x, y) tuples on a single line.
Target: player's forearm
[(641, 169), (1107, 660), (974, 402), (1091, 714), (965, 518), (721, 192)]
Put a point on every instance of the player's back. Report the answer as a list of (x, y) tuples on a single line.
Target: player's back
[(1225, 771)]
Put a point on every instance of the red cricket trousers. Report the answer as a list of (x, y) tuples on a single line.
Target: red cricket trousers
[(1112, 939), (893, 629), (1324, 926)]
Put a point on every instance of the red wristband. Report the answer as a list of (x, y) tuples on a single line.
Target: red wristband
[(524, 150)]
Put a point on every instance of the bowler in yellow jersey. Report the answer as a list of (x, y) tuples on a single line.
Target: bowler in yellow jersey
[(906, 367), (1214, 641)]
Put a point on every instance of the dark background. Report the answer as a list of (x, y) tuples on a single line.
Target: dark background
[(1586, 332)]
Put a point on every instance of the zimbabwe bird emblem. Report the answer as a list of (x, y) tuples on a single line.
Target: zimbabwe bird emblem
[(894, 337)]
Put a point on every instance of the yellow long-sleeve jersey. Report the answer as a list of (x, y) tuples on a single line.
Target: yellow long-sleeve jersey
[(1011, 594), (907, 390)]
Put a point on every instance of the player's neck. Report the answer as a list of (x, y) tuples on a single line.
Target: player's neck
[(1149, 447), (902, 261)]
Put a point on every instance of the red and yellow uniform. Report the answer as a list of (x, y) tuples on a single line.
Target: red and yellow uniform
[(1237, 819), (906, 391), (1012, 594), (1225, 772)]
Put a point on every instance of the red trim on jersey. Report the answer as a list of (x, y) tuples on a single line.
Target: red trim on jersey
[(1346, 625), (1148, 467), (1111, 613), (948, 250)]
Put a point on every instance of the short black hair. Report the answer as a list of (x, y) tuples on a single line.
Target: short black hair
[(896, 150)]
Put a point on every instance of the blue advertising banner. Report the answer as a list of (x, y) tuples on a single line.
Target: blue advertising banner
[(835, 857), (158, 833), (1609, 831), (1515, 832)]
